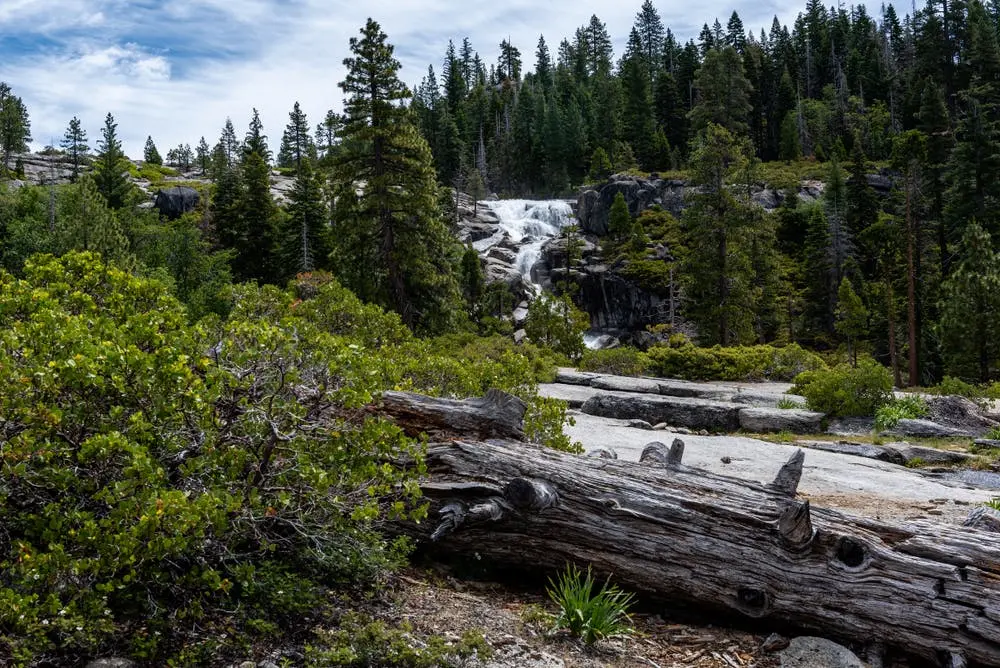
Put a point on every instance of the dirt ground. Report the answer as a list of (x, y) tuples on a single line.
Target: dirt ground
[(436, 603)]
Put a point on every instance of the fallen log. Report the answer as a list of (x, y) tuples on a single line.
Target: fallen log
[(497, 415), (922, 589)]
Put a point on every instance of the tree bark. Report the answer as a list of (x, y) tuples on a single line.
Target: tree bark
[(497, 415), (911, 284), (927, 590)]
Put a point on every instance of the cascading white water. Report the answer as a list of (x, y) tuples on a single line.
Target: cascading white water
[(528, 224)]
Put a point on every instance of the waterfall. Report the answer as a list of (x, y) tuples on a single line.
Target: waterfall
[(528, 224)]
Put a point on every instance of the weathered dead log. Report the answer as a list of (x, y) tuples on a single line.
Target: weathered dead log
[(497, 415), (924, 589)]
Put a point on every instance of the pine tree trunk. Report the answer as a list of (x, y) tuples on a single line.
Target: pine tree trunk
[(723, 291), (890, 309), (911, 286)]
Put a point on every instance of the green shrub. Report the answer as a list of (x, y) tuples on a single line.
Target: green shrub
[(177, 491), (958, 387), (555, 322), (362, 641), (682, 359), (587, 615), (543, 424), (907, 408), (617, 361), (846, 391)]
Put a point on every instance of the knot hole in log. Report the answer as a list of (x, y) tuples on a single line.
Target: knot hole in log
[(753, 602), (851, 553)]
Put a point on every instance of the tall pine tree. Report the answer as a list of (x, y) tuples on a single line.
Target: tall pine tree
[(392, 246)]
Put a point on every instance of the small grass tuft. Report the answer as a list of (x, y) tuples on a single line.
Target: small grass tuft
[(788, 404), (586, 615)]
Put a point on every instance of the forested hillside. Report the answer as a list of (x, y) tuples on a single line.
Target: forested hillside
[(839, 95)]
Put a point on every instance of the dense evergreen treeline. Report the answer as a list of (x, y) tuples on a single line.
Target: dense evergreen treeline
[(839, 73), (908, 276)]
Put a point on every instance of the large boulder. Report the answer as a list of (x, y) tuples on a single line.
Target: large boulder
[(174, 202), (627, 384), (959, 413), (810, 652), (768, 420), (923, 429), (594, 203), (654, 409)]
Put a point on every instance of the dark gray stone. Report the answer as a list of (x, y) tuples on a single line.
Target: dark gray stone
[(959, 413), (923, 429), (173, 203), (768, 420), (984, 518), (690, 413), (809, 652), (930, 455), (881, 453)]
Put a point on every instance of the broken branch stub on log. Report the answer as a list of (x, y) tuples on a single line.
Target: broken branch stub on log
[(923, 589), (497, 415)]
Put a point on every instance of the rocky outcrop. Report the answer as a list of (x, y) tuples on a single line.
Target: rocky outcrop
[(595, 202), (42, 169), (960, 414), (173, 203), (640, 194)]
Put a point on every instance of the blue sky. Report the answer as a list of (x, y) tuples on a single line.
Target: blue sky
[(176, 69)]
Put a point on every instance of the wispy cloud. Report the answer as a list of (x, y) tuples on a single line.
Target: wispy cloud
[(175, 70)]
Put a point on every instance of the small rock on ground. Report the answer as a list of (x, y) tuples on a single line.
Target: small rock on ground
[(774, 643), (809, 652), (111, 662)]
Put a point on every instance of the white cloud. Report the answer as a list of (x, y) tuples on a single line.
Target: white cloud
[(138, 63)]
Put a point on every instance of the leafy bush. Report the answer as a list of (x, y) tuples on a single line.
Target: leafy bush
[(543, 424), (556, 323), (958, 387), (587, 615), (682, 359), (362, 641), (845, 390), (907, 408), (617, 361)]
